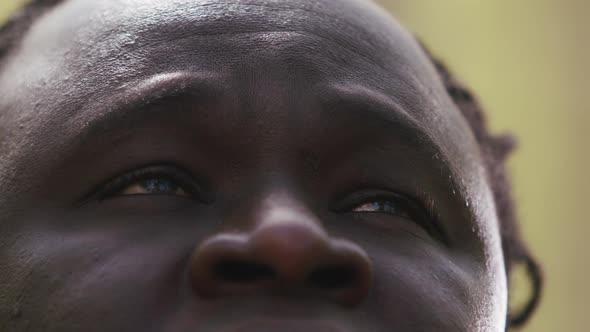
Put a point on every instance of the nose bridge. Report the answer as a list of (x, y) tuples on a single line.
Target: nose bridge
[(273, 209), (286, 209)]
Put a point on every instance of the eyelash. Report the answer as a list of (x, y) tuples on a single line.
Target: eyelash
[(173, 174)]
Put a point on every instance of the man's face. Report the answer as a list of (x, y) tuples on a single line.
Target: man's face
[(256, 165)]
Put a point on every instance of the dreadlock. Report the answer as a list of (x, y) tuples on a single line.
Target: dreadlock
[(494, 148)]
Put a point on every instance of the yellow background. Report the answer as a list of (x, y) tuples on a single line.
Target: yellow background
[(528, 62)]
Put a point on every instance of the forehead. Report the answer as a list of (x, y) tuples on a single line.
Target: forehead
[(84, 53), (130, 37), (87, 49)]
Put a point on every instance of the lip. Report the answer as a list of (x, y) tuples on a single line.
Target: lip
[(285, 325)]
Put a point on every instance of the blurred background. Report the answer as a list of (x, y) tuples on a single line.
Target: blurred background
[(527, 61)]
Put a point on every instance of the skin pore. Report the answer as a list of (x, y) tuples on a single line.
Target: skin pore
[(238, 166)]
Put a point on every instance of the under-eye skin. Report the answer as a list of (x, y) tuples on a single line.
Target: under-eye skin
[(386, 203), (161, 180)]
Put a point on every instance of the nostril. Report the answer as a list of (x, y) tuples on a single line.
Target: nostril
[(242, 271), (333, 277), (282, 258)]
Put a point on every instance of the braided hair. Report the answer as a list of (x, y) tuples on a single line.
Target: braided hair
[(494, 148)]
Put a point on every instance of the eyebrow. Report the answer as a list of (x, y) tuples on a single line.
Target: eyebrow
[(370, 105), (131, 105), (355, 101)]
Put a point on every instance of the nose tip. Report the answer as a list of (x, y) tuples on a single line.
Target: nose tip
[(288, 258)]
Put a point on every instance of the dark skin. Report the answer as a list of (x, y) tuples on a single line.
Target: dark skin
[(238, 166)]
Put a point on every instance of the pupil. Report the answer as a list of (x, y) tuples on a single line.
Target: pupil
[(385, 207), (159, 186)]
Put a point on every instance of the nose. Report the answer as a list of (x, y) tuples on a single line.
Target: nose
[(287, 257)]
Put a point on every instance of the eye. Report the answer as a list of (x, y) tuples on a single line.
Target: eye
[(376, 201), (383, 205), (156, 180), (156, 185)]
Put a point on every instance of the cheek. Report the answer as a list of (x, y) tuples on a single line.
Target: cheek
[(417, 284), (129, 274), (108, 278)]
